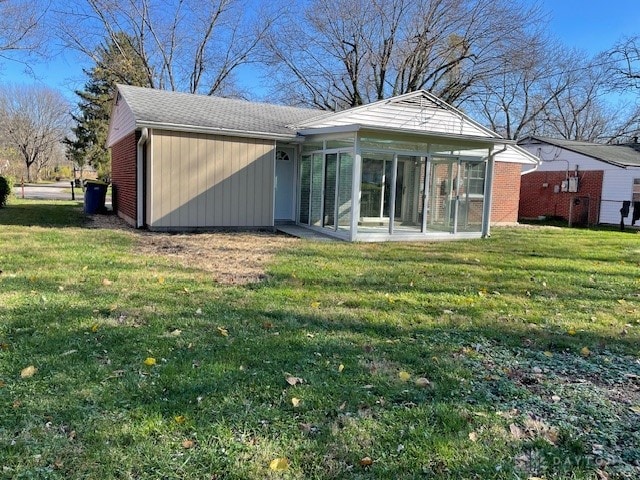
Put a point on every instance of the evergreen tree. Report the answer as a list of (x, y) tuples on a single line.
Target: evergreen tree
[(118, 62)]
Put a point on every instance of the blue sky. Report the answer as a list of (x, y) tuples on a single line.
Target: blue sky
[(590, 25)]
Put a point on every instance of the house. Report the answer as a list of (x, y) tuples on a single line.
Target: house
[(584, 183), (407, 168)]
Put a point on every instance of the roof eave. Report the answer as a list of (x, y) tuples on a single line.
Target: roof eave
[(484, 141), (215, 131)]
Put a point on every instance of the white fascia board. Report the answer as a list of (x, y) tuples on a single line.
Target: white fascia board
[(482, 141), (330, 130), (216, 131)]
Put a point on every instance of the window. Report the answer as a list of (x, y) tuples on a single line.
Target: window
[(282, 155), (636, 190), (475, 175)]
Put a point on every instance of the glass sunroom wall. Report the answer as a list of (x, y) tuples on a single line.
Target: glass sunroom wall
[(456, 188), (325, 182), (375, 191), (408, 208)]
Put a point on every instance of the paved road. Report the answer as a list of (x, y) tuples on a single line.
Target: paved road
[(48, 191), (52, 191)]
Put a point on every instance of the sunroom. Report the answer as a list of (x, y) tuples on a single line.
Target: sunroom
[(365, 184)]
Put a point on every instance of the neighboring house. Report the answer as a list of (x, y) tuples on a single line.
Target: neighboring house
[(410, 167), (582, 182)]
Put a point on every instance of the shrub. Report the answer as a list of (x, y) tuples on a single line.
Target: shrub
[(6, 187)]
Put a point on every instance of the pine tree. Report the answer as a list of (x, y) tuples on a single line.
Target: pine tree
[(118, 62)]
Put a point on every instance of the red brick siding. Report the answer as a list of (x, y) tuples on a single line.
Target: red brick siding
[(537, 200), (123, 177), (506, 191)]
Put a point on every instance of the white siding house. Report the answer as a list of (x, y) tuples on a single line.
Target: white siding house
[(619, 166)]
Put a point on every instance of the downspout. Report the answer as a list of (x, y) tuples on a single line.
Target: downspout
[(486, 214), (538, 162), (139, 178)]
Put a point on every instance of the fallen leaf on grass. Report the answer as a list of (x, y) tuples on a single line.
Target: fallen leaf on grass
[(571, 331), (585, 352), (366, 462), (176, 333), (223, 332), (291, 380), (186, 444), (404, 376), (422, 382), (28, 372), (340, 368), (179, 419), (295, 402), (635, 409), (315, 304), (106, 282), (548, 354), (161, 280), (279, 464), (149, 361), (473, 436)]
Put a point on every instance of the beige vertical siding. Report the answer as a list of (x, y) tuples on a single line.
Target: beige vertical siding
[(210, 181)]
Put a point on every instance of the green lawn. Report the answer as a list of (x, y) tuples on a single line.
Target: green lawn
[(511, 357)]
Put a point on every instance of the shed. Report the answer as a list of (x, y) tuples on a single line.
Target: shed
[(406, 168)]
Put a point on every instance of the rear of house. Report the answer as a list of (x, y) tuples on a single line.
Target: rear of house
[(581, 182), (411, 167)]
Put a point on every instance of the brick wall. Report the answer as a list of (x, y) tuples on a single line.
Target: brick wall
[(538, 196), (506, 191), (123, 177)]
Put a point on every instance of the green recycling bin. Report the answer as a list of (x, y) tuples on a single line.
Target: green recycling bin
[(95, 193)]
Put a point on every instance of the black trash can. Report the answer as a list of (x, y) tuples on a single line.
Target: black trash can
[(95, 193)]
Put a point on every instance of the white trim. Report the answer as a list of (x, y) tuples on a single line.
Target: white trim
[(139, 178), (216, 131)]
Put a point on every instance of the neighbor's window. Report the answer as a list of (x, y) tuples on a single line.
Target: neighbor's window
[(636, 189)]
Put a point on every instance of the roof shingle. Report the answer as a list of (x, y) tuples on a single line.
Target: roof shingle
[(152, 106)]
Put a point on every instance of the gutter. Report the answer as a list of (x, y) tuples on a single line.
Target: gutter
[(139, 180)]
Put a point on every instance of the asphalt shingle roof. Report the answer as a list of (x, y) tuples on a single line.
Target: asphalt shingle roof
[(152, 106), (625, 155)]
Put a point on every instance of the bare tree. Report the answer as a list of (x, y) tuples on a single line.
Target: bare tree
[(33, 121), (21, 27), (623, 61), (350, 52), (185, 45)]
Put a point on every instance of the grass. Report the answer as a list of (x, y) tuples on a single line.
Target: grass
[(529, 342)]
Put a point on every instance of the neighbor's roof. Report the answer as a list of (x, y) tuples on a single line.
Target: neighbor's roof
[(161, 108), (625, 155)]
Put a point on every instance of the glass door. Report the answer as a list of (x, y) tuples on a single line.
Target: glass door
[(456, 195), (471, 196), (443, 177)]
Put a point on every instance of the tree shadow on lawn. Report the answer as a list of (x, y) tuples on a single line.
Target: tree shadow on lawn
[(227, 392), (41, 213)]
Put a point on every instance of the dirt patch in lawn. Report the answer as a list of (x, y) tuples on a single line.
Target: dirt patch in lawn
[(232, 258)]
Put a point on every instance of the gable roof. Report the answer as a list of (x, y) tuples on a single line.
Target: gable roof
[(159, 108), (626, 155), (418, 111)]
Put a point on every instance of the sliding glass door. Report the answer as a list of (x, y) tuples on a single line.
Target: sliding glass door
[(325, 190), (456, 195)]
